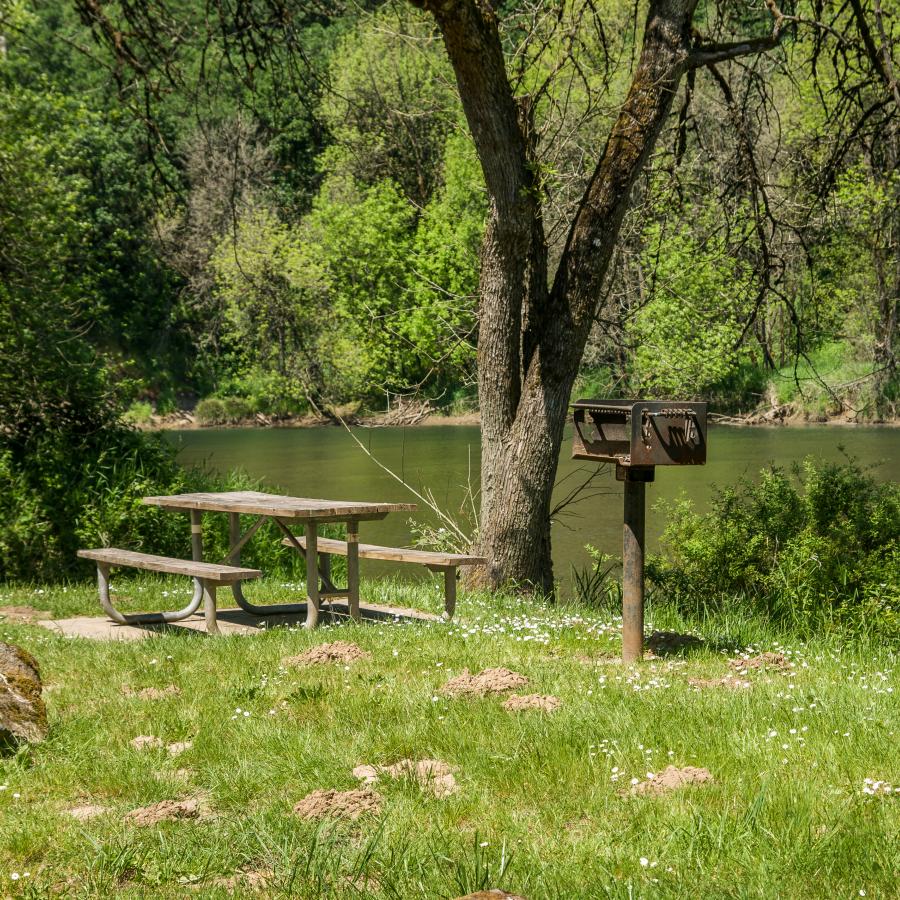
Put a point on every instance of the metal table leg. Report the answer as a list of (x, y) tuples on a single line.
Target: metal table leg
[(234, 558), (312, 576), (142, 618), (352, 569)]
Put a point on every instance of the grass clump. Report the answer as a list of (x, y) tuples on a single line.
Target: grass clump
[(816, 548), (544, 805)]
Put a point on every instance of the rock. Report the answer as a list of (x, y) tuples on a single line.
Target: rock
[(23, 716)]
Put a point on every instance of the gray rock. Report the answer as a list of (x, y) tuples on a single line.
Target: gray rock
[(23, 716)]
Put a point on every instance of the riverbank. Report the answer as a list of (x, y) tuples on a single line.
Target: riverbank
[(774, 417), (186, 420)]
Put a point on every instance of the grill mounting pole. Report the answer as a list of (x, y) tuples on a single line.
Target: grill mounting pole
[(633, 562)]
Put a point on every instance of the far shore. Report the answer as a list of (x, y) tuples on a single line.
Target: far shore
[(185, 420)]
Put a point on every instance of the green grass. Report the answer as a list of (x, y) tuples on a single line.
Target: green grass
[(537, 810)]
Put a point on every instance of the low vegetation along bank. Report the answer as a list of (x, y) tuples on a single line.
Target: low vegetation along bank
[(740, 763)]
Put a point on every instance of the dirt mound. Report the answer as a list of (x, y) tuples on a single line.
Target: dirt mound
[(150, 742), (179, 747), (665, 643), (671, 779), (87, 811), (164, 811), (546, 703), (336, 652), (25, 614), (729, 681), (430, 774), (146, 742), (490, 681), (767, 660), (492, 894), (323, 803), (152, 693), (243, 882)]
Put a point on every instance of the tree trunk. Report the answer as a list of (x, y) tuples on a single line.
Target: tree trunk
[(532, 336)]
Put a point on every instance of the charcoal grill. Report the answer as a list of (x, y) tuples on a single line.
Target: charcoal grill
[(638, 435)]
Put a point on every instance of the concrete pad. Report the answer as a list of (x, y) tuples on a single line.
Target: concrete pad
[(231, 621)]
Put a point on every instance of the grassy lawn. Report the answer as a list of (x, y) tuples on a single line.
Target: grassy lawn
[(544, 805)]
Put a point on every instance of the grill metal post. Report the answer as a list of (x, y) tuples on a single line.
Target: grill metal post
[(633, 571)]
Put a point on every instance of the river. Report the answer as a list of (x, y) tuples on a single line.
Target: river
[(325, 462)]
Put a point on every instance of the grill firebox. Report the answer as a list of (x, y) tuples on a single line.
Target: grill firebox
[(640, 432)]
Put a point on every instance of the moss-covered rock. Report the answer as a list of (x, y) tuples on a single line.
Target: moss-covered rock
[(23, 716)]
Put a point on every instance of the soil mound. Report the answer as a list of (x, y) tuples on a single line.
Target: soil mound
[(493, 894), (244, 882), (671, 779), (164, 811), (430, 774), (323, 803), (336, 652), (546, 703), (729, 681), (762, 661), (179, 747), (25, 614), (146, 742), (87, 811), (490, 681)]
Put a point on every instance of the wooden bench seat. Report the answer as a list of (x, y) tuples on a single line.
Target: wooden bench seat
[(207, 576), (435, 560), (210, 571)]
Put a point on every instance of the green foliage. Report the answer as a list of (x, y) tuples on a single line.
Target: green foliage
[(273, 288), (597, 585), (827, 380), (391, 110), (402, 285), (820, 549), (687, 335)]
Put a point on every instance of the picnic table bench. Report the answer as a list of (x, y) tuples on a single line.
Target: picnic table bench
[(208, 576), (436, 561), (284, 511)]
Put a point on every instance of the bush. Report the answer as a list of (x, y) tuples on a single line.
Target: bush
[(818, 548), (60, 499), (211, 411)]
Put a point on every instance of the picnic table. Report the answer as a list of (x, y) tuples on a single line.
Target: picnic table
[(285, 512)]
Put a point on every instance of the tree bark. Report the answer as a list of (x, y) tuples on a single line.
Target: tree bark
[(532, 335)]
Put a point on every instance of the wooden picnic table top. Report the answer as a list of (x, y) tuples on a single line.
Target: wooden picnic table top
[(261, 504)]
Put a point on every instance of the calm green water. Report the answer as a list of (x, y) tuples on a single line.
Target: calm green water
[(326, 463)]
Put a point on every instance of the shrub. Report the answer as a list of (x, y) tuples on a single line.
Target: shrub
[(816, 548), (58, 500), (211, 411)]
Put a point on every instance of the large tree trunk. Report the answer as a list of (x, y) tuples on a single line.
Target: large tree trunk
[(531, 335)]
